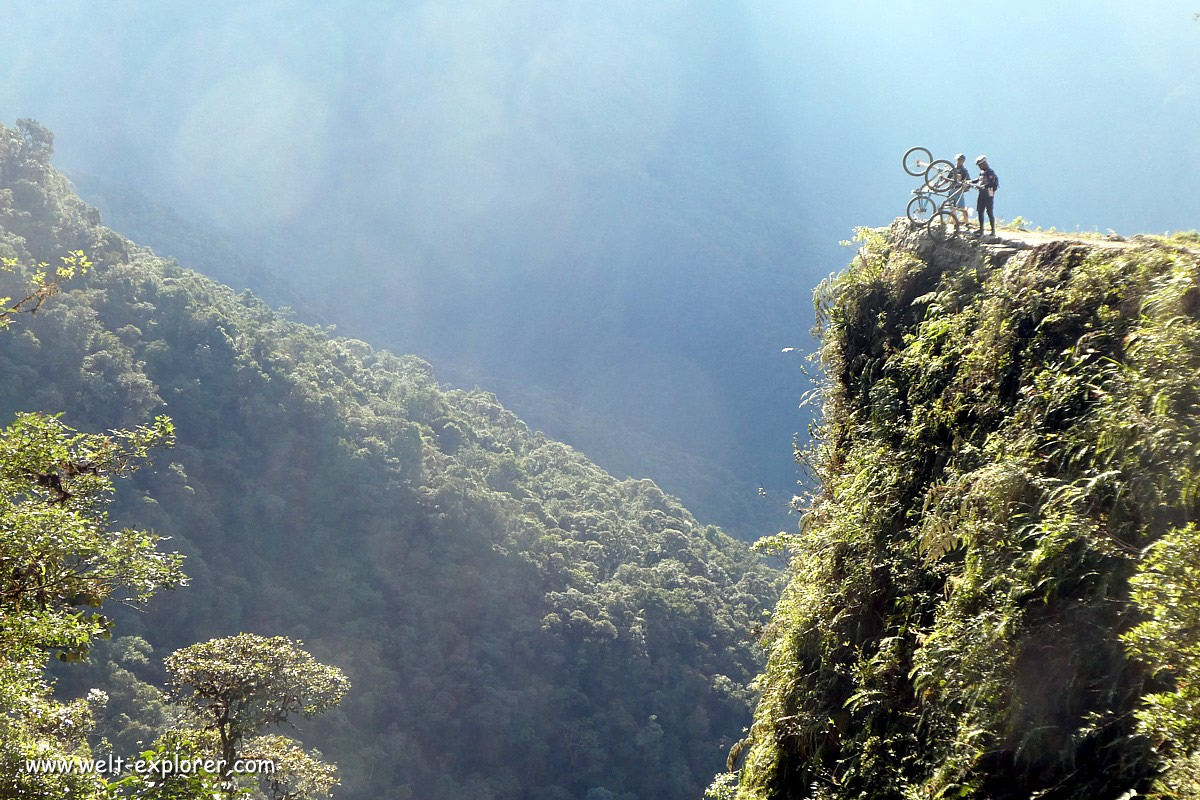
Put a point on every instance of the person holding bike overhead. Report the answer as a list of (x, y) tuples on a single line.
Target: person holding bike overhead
[(987, 183), (962, 180)]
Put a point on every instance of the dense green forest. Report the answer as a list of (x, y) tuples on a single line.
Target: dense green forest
[(620, 443), (994, 592), (514, 622)]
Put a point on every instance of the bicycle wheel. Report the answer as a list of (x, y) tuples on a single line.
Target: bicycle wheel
[(916, 160), (943, 225), (921, 209), (939, 176)]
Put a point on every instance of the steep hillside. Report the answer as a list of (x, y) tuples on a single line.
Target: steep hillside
[(616, 438), (994, 592), (515, 622)]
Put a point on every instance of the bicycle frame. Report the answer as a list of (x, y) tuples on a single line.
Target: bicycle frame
[(935, 203)]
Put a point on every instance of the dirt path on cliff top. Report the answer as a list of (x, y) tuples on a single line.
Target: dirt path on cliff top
[(1035, 238)]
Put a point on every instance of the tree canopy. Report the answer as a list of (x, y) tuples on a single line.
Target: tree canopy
[(243, 685), (517, 622), (59, 562)]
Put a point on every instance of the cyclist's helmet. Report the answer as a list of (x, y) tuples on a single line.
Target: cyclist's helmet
[(960, 156), (981, 159)]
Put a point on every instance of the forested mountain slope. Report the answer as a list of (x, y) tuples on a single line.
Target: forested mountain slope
[(617, 439), (515, 622), (995, 591)]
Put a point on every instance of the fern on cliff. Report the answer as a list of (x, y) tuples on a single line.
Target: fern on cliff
[(1003, 439)]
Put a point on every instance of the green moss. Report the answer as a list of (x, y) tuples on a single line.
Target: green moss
[(999, 446)]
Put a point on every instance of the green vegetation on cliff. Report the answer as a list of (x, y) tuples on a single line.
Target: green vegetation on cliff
[(516, 622), (994, 592)]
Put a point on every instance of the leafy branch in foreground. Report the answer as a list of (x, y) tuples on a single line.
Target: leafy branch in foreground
[(57, 556), (43, 286), (59, 561)]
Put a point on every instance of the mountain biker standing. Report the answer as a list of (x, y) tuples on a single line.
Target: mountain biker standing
[(962, 179), (988, 183)]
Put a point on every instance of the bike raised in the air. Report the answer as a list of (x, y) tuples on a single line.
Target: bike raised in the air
[(934, 204)]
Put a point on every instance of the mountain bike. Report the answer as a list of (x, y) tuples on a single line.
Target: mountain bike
[(933, 204), (943, 225), (927, 201), (938, 174), (927, 206), (917, 160), (924, 205)]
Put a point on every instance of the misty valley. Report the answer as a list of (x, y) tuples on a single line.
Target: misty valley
[(561, 401)]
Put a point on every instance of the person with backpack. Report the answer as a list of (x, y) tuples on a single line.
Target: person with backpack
[(987, 183)]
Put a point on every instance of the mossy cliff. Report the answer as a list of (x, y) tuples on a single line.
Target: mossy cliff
[(995, 590)]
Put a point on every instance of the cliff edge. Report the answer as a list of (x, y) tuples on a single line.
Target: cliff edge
[(994, 591)]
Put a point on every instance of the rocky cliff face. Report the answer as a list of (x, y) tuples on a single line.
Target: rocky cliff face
[(989, 591)]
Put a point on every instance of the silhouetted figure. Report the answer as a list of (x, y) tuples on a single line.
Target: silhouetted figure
[(988, 183)]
